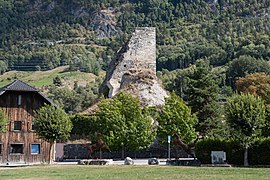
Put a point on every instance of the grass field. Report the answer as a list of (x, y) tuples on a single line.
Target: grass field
[(132, 172), (45, 78)]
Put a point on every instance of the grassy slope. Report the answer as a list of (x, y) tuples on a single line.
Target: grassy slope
[(45, 78), (132, 172)]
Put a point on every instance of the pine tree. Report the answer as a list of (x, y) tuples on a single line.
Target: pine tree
[(202, 94)]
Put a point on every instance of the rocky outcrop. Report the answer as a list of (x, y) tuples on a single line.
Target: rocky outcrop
[(144, 84), (134, 69), (104, 23)]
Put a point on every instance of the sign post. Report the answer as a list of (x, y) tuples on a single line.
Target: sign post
[(169, 148)]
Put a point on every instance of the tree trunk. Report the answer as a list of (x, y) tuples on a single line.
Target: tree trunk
[(51, 152), (246, 157)]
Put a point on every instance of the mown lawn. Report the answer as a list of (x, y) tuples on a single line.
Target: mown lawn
[(132, 172)]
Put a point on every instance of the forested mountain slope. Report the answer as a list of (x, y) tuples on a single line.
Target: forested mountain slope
[(84, 34)]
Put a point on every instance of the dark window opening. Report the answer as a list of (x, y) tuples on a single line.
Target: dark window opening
[(17, 125), (1, 148), (35, 148), (16, 149), (33, 126)]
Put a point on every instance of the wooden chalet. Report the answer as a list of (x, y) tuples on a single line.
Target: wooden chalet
[(20, 143)]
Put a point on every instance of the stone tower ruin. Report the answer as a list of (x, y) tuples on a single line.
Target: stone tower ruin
[(134, 69)]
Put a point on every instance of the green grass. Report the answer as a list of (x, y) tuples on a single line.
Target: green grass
[(45, 78), (133, 172)]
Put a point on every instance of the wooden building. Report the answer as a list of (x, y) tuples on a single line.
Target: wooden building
[(20, 144)]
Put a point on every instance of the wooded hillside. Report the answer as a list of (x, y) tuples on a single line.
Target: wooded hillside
[(40, 35)]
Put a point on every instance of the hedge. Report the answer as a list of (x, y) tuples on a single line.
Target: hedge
[(259, 153)]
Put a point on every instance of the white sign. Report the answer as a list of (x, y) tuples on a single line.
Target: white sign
[(169, 139), (218, 157)]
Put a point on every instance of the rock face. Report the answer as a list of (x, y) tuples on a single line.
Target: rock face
[(104, 23), (134, 69)]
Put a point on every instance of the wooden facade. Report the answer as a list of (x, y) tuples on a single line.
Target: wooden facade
[(20, 144)]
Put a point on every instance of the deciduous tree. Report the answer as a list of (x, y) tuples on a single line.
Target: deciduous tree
[(246, 117), (245, 65), (123, 125), (52, 124), (176, 117), (257, 84)]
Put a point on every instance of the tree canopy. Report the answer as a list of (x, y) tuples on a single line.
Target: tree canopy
[(176, 117), (48, 34), (257, 84), (246, 117), (202, 93), (123, 124), (245, 65), (52, 124)]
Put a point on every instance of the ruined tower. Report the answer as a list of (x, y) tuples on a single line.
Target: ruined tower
[(134, 69)]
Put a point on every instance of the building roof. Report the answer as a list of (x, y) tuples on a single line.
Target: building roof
[(21, 86), (18, 85)]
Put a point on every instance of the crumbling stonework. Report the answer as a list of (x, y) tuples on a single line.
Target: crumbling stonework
[(134, 69)]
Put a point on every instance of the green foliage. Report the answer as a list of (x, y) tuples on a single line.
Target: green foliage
[(48, 34), (3, 67), (57, 81), (234, 151), (202, 94), (3, 121), (87, 63), (245, 65), (246, 116), (123, 124), (66, 98), (52, 123), (176, 117), (258, 152), (74, 100), (84, 126)]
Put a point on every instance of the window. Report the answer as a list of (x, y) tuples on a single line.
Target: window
[(1, 149), (19, 100), (17, 125), (33, 126), (35, 148), (16, 149)]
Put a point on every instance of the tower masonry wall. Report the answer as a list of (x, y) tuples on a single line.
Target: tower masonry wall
[(140, 54)]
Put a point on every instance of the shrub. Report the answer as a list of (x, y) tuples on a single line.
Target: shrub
[(259, 153), (234, 153)]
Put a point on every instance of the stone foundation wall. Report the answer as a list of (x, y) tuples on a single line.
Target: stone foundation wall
[(78, 151)]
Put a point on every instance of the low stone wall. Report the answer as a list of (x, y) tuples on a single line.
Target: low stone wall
[(79, 151), (95, 162), (184, 162)]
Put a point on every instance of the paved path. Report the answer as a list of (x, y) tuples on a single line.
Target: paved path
[(74, 162), (141, 162)]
